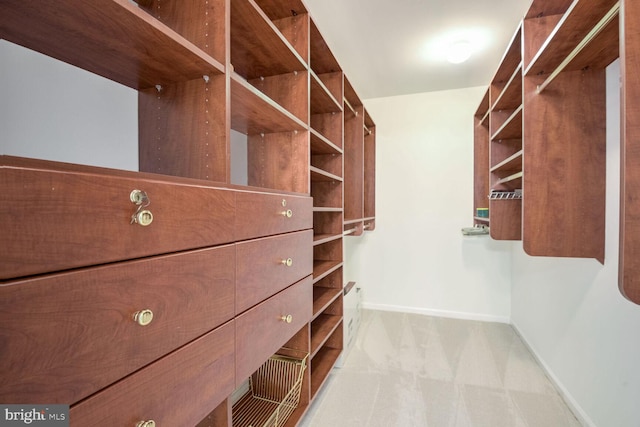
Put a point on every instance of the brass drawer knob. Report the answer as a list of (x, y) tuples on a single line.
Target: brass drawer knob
[(144, 217), (288, 213), (287, 262), (287, 319), (149, 423), (143, 318)]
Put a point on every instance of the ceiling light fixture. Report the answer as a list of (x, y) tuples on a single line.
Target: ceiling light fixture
[(459, 52)]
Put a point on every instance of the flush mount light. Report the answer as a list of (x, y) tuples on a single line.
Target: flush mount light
[(459, 52)]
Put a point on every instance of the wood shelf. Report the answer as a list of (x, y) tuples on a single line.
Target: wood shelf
[(258, 48), (323, 297), (322, 100), (321, 329), (575, 24), (322, 268), (511, 96), (319, 175), (327, 209), (114, 39), (322, 363), (508, 65), (319, 239), (512, 181), (511, 128), (252, 112), (511, 164), (322, 59), (321, 145)]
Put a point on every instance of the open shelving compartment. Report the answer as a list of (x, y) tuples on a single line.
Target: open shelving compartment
[(505, 169), (566, 50), (354, 124), (269, 94)]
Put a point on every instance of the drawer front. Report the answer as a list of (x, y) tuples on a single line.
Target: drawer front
[(51, 221), (260, 214), (268, 265), (261, 331), (178, 390), (68, 335)]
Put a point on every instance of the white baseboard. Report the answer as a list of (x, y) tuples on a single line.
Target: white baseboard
[(577, 410), (439, 313)]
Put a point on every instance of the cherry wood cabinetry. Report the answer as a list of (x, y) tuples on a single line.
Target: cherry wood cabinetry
[(547, 130), (481, 161), (153, 294), (505, 147), (359, 141), (629, 279)]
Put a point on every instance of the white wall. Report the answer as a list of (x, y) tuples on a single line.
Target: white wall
[(574, 318), (54, 111), (417, 259)]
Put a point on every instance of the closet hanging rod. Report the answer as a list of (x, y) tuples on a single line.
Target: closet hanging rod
[(348, 104), (606, 20)]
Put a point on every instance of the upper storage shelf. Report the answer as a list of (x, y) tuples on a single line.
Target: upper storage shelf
[(585, 35), (113, 38), (252, 112), (258, 47)]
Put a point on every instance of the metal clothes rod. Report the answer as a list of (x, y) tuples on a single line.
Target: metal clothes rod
[(350, 107), (589, 37)]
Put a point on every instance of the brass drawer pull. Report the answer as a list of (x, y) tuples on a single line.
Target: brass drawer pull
[(149, 423), (143, 318), (287, 262), (287, 319), (288, 213)]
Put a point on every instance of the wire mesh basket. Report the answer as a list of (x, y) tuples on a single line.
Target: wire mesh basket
[(274, 391)]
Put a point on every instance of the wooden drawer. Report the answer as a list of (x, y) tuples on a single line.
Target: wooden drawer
[(268, 265), (261, 214), (178, 390), (261, 331), (68, 335), (54, 220)]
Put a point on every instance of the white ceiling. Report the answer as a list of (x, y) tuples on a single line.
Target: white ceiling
[(386, 47)]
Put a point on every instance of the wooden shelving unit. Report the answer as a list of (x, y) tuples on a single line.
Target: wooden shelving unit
[(261, 69), (565, 103), (505, 140), (481, 160), (547, 130), (359, 142), (629, 278)]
